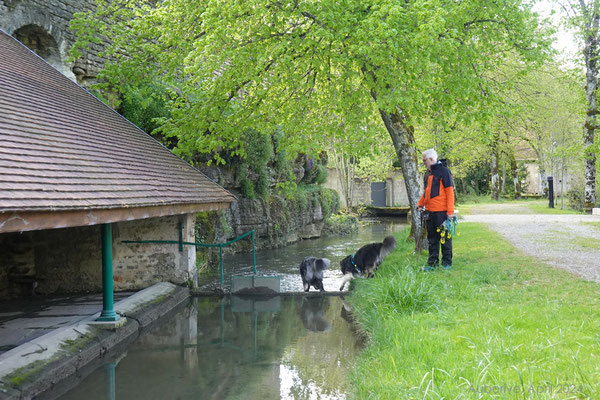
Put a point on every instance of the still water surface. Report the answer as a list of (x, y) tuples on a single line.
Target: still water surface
[(285, 262), (284, 348), (235, 348)]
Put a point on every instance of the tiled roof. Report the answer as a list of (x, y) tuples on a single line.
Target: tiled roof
[(63, 149)]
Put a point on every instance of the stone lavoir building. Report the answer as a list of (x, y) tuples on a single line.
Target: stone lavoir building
[(43, 26), (73, 172)]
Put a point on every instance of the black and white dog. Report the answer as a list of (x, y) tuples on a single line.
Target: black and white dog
[(366, 260), (312, 313), (311, 271)]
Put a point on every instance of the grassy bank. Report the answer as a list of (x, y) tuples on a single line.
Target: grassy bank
[(485, 205), (541, 207), (498, 325)]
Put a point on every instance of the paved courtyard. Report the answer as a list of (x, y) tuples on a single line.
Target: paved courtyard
[(25, 319)]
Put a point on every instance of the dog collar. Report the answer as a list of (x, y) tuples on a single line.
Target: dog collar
[(354, 265)]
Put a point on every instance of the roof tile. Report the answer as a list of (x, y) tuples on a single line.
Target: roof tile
[(63, 149)]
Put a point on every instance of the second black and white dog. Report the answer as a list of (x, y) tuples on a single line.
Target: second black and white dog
[(366, 260), (311, 271)]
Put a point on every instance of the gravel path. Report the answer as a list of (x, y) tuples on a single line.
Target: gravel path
[(564, 241)]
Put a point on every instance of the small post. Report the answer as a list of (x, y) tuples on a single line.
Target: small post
[(108, 308), (253, 252), (550, 192)]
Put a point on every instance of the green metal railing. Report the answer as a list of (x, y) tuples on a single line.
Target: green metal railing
[(181, 243)]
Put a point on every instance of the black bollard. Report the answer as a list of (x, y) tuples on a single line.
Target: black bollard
[(550, 192)]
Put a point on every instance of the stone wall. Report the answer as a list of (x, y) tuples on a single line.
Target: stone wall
[(396, 194), (69, 260), (137, 266), (42, 25), (362, 188), (16, 264), (277, 221)]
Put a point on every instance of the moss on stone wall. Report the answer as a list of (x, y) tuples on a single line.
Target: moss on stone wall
[(211, 227), (277, 220)]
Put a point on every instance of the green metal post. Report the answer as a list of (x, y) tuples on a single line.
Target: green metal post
[(111, 391), (253, 253), (108, 308), (221, 263)]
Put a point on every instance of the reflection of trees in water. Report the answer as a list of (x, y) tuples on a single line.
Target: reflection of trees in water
[(256, 373), (325, 358), (210, 352)]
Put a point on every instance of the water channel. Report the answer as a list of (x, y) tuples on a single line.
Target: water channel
[(285, 262), (283, 347)]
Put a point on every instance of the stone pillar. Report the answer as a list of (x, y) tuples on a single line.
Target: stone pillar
[(187, 261)]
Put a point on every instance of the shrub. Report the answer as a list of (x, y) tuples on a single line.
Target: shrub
[(329, 202), (576, 195), (262, 184), (321, 175), (144, 104), (341, 224)]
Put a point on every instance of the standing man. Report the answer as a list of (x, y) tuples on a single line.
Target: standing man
[(438, 201)]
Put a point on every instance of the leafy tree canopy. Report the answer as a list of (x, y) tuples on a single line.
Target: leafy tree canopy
[(311, 66)]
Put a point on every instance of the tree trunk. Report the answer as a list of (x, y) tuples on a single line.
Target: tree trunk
[(495, 184), (351, 180), (543, 183), (345, 175), (562, 184), (591, 53), (514, 169), (404, 144)]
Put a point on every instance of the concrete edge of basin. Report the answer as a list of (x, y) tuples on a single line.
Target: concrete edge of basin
[(29, 373)]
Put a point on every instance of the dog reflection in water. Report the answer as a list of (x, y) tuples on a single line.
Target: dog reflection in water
[(311, 271), (366, 260), (312, 313)]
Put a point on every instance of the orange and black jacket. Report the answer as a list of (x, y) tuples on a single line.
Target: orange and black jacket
[(439, 190)]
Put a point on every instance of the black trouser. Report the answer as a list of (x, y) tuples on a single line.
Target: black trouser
[(436, 219)]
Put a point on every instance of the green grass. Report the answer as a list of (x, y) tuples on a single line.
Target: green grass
[(541, 207), (568, 241), (22, 374), (466, 203), (482, 204), (497, 321), (593, 224)]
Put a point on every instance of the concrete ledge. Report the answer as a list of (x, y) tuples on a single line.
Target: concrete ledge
[(156, 307), (111, 325), (29, 370), (596, 211)]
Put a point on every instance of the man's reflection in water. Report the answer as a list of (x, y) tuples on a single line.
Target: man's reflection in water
[(346, 312), (312, 313), (348, 316)]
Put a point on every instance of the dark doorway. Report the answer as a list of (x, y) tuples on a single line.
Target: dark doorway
[(378, 194)]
